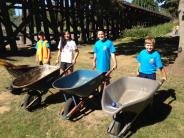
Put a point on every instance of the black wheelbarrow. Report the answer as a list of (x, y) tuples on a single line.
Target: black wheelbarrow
[(37, 82), (127, 97), (79, 85), (15, 71)]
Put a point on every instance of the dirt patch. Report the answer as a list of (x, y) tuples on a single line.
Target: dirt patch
[(4, 109), (178, 67), (5, 96), (5, 99)]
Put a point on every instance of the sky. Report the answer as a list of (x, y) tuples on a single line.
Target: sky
[(129, 0)]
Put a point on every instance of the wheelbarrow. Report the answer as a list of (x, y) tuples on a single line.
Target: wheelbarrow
[(37, 82), (15, 71), (79, 85), (125, 99)]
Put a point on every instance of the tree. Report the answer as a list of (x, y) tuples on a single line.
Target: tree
[(181, 23), (149, 4), (170, 5)]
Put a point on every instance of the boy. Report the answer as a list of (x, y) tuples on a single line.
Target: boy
[(149, 61), (104, 51), (43, 50)]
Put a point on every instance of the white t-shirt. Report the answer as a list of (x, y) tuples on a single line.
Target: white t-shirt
[(68, 51)]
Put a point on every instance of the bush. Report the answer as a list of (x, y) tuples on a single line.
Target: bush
[(155, 31)]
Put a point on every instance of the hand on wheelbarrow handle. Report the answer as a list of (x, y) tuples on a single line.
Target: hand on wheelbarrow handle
[(109, 72), (68, 68)]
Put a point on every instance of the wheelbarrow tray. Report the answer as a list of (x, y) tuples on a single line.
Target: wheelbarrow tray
[(131, 94), (38, 78), (18, 70), (80, 83)]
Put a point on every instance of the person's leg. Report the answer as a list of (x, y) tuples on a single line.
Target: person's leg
[(71, 69), (62, 67)]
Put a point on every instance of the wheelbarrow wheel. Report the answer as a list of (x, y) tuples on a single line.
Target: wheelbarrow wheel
[(68, 106), (32, 100)]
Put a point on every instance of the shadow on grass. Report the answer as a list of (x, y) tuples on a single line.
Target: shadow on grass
[(54, 99), (156, 113), (22, 52), (49, 100), (167, 47), (90, 105)]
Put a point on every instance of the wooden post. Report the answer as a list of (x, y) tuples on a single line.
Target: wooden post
[(67, 15), (2, 46), (7, 24), (24, 3), (45, 20), (31, 22), (37, 15)]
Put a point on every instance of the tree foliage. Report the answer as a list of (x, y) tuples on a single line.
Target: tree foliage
[(149, 4), (171, 6)]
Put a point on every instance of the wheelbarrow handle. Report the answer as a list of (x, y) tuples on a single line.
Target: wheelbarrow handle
[(161, 81), (109, 72), (68, 68)]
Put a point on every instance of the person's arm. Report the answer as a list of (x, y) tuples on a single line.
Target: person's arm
[(48, 57), (36, 56), (137, 73), (94, 61), (164, 75), (113, 56), (76, 53), (58, 56)]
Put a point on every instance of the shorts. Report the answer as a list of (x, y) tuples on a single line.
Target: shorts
[(65, 65), (148, 76)]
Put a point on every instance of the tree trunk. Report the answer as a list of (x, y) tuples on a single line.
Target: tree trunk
[(181, 24)]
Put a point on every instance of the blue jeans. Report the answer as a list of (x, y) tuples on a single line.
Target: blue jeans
[(149, 76)]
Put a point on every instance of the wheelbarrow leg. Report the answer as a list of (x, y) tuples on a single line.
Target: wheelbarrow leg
[(70, 107), (127, 126), (114, 129), (75, 109), (32, 100)]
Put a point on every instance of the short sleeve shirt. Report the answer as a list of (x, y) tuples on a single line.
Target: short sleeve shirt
[(103, 51), (149, 62), (47, 44), (67, 51)]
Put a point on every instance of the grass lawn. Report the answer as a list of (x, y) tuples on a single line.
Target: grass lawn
[(166, 120)]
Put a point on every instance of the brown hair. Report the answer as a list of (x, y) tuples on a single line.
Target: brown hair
[(149, 40), (64, 41)]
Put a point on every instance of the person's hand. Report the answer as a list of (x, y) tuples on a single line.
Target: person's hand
[(57, 61), (164, 78), (73, 61), (94, 66), (47, 61), (137, 74), (114, 67)]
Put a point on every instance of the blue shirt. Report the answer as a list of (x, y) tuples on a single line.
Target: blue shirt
[(103, 50), (149, 62), (47, 45)]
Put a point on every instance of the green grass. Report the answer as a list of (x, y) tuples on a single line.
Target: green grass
[(166, 121), (155, 31)]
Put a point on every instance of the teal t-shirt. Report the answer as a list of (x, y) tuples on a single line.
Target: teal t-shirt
[(149, 62), (47, 45), (103, 50)]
